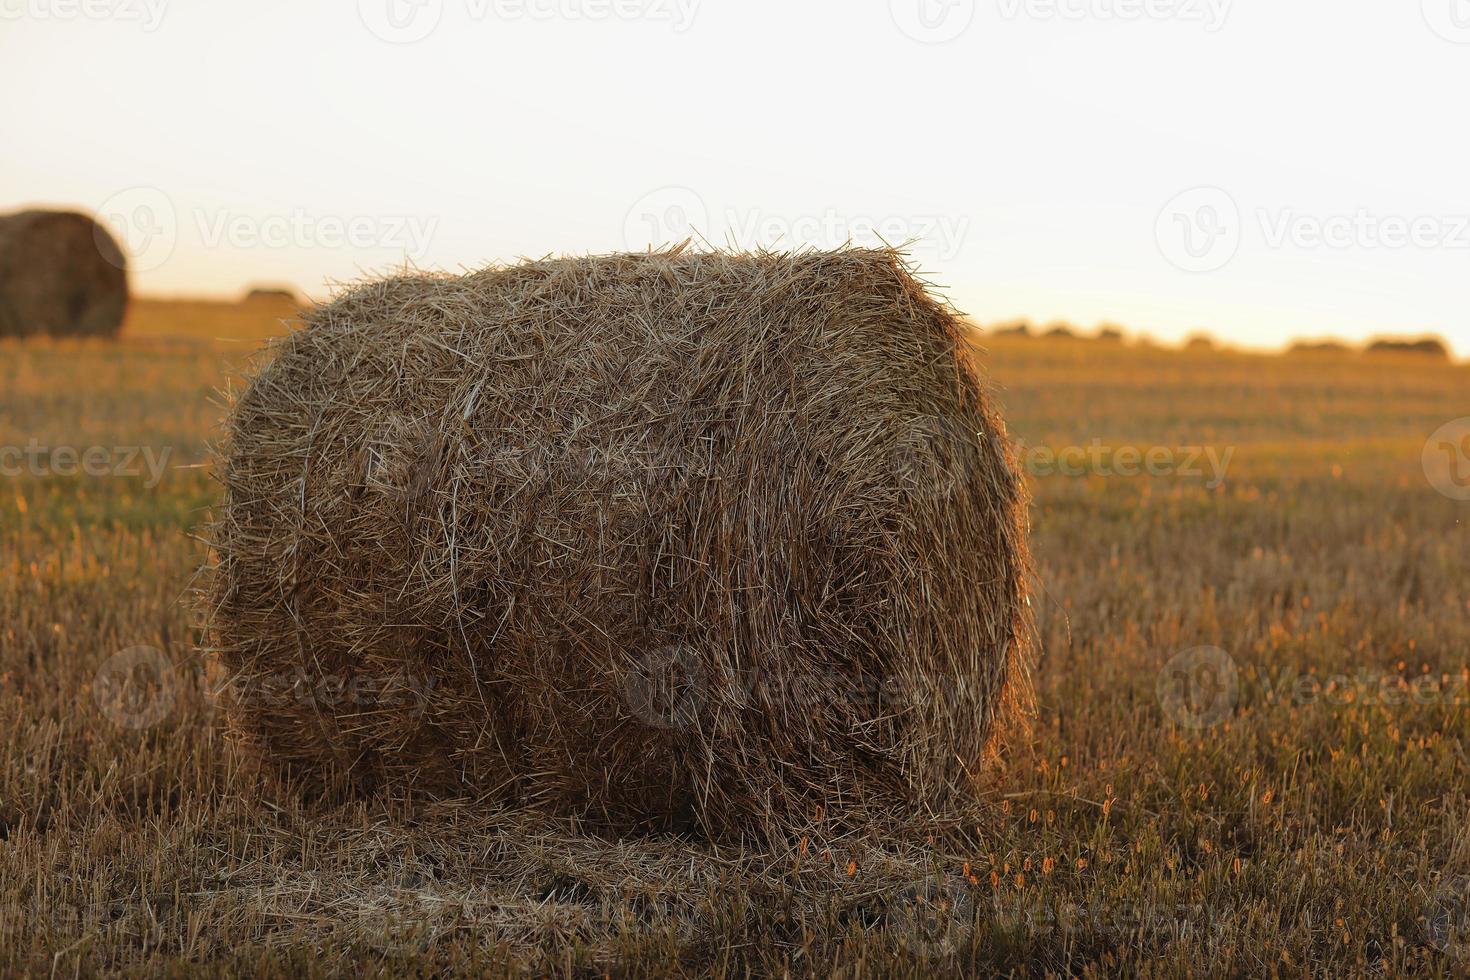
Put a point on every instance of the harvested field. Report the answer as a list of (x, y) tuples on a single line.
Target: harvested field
[(1309, 822)]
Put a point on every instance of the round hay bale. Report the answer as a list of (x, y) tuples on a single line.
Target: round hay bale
[(1430, 346), (704, 541), (277, 295), (61, 274)]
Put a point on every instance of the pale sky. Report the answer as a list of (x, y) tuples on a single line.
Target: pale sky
[(1262, 169)]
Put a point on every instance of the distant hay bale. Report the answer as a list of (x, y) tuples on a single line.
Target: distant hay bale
[(272, 294), (1319, 347), (61, 274), (704, 541), (1426, 346), (1015, 328)]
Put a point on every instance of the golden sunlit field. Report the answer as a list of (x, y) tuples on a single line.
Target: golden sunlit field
[(1248, 753)]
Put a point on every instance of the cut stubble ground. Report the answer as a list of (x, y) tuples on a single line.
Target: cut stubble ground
[(1314, 825)]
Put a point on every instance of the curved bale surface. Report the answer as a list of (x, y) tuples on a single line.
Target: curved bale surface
[(61, 274), (684, 541)]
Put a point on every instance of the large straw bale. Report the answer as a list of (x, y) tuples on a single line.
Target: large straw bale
[(712, 541)]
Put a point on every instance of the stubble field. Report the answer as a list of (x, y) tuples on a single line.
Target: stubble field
[(1248, 753)]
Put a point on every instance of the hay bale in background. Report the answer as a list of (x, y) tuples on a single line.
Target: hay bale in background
[(661, 540), (1429, 346), (61, 274), (278, 295), (1319, 347)]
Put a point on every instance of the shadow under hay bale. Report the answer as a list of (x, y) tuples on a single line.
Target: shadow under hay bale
[(672, 541), (61, 274)]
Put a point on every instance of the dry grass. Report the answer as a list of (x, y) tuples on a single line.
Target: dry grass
[(1317, 827)]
